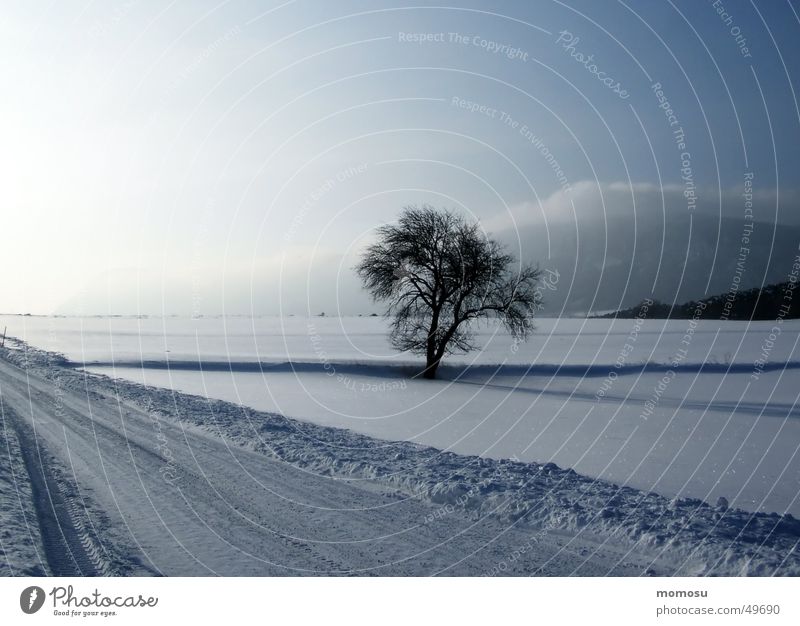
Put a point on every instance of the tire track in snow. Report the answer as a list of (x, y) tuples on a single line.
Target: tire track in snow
[(69, 550)]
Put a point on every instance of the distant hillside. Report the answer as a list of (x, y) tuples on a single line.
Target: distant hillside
[(771, 302), (608, 265)]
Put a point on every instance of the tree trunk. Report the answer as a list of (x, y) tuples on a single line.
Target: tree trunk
[(433, 361), (430, 368), (436, 352), (432, 357)]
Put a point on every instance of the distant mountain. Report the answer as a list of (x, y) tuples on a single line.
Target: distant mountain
[(603, 266), (608, 266), (772, 302)]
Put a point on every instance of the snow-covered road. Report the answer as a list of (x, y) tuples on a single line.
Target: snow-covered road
[(120, 487)]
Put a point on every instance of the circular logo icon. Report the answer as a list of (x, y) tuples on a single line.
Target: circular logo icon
[(31, 599)]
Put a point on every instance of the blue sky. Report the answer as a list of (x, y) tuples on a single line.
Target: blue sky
[(167, 156)]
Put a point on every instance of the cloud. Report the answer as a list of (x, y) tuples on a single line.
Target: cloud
[(590, 199), (301, 279)]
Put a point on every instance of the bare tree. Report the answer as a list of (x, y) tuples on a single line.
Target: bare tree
[(440, 273)]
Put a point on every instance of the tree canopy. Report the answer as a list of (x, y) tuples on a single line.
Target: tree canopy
[(439, 273)]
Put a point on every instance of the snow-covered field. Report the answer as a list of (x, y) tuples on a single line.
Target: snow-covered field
[(113, 477), (604, 398)]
